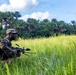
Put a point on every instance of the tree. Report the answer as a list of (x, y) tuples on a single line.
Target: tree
[(73, 22), (16, 15)]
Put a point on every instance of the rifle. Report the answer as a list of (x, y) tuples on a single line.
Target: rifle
[(24, 51)]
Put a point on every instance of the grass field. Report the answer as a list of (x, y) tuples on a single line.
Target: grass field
[(54, 56)]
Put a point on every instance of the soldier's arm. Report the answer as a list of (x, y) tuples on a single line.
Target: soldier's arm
[(4, 46)]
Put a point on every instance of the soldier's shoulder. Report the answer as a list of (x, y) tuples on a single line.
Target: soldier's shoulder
[(3, 40)]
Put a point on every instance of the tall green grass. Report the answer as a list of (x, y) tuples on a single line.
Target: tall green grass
[(54, 56)]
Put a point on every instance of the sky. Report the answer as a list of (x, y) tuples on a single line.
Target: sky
[(64, 10)]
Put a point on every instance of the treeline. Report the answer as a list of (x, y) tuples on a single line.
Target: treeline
[(34, 28)]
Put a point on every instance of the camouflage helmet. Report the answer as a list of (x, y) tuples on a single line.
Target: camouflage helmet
[(11, 30)]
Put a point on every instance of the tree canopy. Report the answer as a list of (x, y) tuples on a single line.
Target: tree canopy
[(34, 28)]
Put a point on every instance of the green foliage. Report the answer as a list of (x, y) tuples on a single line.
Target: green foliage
[(34, 28), (2, 33)]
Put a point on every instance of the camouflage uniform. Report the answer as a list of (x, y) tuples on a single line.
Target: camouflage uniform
[(6, 47)]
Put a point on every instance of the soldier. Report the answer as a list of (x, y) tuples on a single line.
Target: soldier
[(6, 49)]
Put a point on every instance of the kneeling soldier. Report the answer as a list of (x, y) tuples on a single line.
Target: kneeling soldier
[(6, 49)]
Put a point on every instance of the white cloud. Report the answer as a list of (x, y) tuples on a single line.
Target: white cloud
[(18, 5), (38, 16)]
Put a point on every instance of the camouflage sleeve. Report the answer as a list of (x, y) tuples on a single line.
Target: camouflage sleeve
[(3, 46)]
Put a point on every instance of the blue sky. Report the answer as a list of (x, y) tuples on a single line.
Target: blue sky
[(41, 9)]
